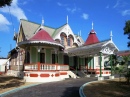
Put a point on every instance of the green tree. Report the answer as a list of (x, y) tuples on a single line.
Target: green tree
[(126, 69), (5, 2), (127, 30)]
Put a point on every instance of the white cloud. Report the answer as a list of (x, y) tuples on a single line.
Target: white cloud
[(14, 10), (85, 16), (117, 4), (25, 2), (125, 12), (107, 6), (4, 23), (121, 4), (60, 4), (72, 10)]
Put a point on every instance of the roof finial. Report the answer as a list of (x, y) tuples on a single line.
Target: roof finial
[(42, 24), (80, 32), (67, 19), (92, 24), (111, 35)]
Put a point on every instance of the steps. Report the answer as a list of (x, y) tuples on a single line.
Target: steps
[(79, 73)]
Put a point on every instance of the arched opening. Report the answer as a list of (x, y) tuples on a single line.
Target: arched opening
[(63, 38), (70, 40)]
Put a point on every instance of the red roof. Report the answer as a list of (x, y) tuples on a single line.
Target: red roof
[(92, 38), (42, 35), (124, 54)]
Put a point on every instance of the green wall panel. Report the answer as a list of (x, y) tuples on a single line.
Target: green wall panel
[(60, 58), (70, 61), (48, 56), (33, 54)]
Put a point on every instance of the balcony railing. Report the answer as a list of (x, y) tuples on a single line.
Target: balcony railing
[(44, 66)]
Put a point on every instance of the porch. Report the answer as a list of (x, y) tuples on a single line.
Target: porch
[(42, 72)]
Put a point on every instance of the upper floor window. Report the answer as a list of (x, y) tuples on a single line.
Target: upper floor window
[(69, 41), (62, 40)]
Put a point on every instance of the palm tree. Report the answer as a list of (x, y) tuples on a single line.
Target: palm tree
[(126, 69), (5, 2), (127, 30)]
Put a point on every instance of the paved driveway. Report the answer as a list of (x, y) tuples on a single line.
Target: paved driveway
[(66, 88)]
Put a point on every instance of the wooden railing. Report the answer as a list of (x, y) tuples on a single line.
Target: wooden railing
[(44, 66)]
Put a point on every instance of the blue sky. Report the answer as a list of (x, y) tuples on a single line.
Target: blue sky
[(106, 15)]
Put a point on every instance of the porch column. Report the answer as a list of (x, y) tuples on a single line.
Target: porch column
[(90, 62), (38, 64), (100, 64), (56, 56), (93, 63), (111, 63)]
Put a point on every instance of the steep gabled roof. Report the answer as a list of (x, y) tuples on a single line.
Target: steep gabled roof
[(29, 28), (93, 49), (42, 35), (58, 30), (92, 38)]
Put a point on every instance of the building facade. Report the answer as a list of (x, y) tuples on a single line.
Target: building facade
[(46, 54)]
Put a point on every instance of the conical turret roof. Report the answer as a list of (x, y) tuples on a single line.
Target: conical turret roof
[(42, 35), (92, 38)]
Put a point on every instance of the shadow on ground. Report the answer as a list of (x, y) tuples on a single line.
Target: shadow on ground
[(71, 92), (9, 81)]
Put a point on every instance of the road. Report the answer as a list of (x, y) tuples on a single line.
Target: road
[(66, 88)]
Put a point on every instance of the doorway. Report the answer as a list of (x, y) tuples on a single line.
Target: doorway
[(42, 57)]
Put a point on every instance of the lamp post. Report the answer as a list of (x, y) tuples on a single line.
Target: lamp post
[(100, 64), (111, 63), (111, 76)]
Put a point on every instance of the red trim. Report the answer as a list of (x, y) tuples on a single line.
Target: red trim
[(1, 73), (63, 73), (57, 75), (44, 75), (33, 75)]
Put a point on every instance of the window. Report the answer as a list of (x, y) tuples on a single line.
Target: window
[(62, 40), (69, 42)]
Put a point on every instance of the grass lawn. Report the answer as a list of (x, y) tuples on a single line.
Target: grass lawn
[(9, 82), (108, 88)]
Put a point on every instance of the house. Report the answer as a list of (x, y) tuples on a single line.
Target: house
[(3, 65), (45, 54)]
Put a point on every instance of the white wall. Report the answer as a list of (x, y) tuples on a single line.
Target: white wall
[(3, 61)]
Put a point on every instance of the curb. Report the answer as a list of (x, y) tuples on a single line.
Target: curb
[(17, 89), (81, 93)]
